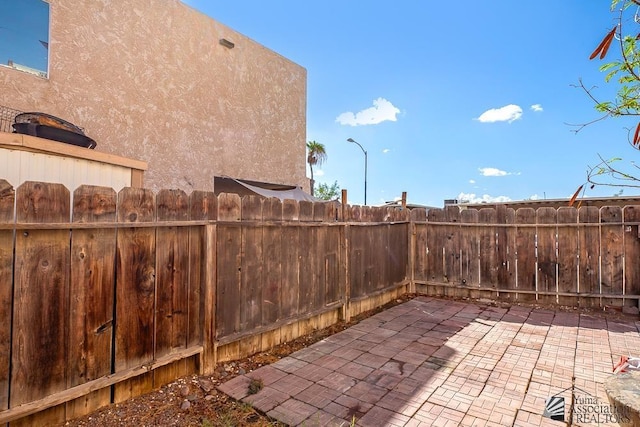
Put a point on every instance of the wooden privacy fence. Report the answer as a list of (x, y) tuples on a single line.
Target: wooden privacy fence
[(105, 296), (577, 257)]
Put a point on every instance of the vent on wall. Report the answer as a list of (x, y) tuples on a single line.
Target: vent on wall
[(226, 43)]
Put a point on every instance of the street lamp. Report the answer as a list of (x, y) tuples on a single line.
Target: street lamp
[(365, 167)]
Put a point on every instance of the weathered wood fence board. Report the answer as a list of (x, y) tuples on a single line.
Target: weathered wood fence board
[(203, 206), (172, 274), (505, 252), (469, 250), (92, 291), (571, 256), (568, 250), (547, 256), (488, 247), (131, 290), (589, 254), (526, 252), (271, 286), (228, 266), (611, 251), (135, 282), (631, 214), (40, 311), (7, 203)]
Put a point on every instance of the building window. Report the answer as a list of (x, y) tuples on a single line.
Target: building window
[(24, 35)]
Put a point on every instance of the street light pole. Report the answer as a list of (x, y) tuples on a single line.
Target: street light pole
[(365, 167)]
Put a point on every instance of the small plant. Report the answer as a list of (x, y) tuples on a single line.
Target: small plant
[(255, 385), (352, 423)]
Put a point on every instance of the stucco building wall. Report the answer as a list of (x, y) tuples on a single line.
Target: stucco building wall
[(149, 80)]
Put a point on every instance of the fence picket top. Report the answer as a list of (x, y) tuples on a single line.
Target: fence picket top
[(487, 216), (452, 213), (546, 216), (229, 207), (469, 216), (272, 209), (172, 205), (306, 210), (436, 215), (94, 204), (375, 214), (610, 214), (418, 214), (354, 213), (367, 214), (589, 214), (251, 208), (290, 210), (525, 216), (567, 215), (136, 205), (325, 211), (7, 201), (203, 205), (319, 211), (42, 202)]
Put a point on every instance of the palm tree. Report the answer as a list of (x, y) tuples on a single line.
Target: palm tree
[(316, 155)]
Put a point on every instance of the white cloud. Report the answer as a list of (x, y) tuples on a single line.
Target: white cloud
[(472, 181), (492, 172), (318, 173), (386, 150), (381, 111), (508, 113), (537, 108), (485, 198), (536, 197)]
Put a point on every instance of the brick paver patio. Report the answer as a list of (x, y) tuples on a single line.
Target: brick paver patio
[(437, 362)]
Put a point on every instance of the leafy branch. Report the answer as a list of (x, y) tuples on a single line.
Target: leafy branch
[(624, 71)]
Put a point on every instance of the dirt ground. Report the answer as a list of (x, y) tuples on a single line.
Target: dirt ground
[(195, 401)]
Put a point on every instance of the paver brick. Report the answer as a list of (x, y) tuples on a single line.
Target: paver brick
[(433, 362)]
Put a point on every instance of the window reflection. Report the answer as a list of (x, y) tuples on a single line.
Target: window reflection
[(24, 35)]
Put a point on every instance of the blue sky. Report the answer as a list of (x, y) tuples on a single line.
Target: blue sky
[(468, 100), (24, 25)]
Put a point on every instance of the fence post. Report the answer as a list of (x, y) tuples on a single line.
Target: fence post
[(412, 254), (346, 306)]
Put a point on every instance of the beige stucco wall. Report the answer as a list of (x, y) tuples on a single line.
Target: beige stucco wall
[(148, 80)]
